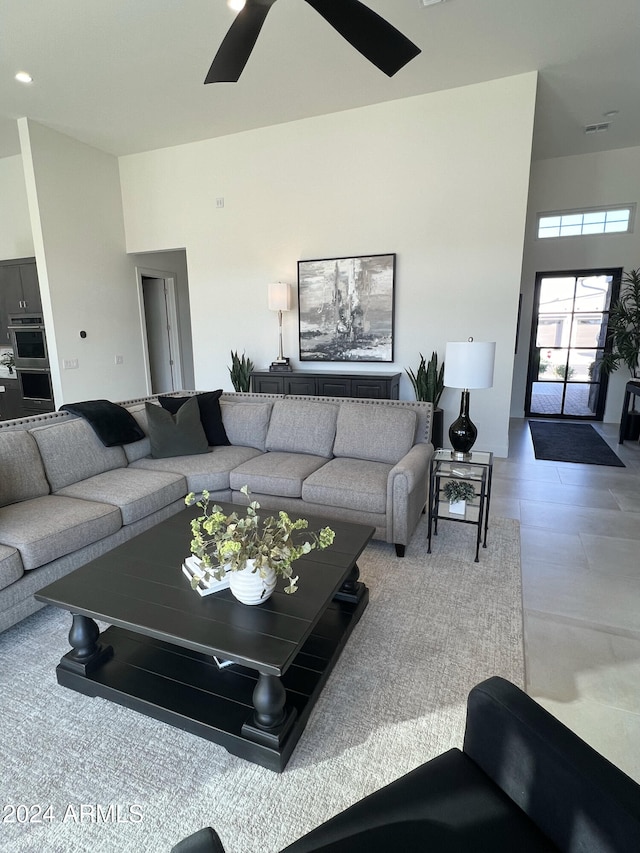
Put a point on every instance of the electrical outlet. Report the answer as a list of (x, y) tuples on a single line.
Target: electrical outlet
[(119, 359), (70, 363), (219, 202)]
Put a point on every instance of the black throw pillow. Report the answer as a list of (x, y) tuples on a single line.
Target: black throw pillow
[(181, 434), (114, 425), (210, 414)]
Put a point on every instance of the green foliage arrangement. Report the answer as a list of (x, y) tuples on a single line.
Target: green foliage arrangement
[(428, 381), (240, 371), (624, 327), (221, 540), (458, 490)]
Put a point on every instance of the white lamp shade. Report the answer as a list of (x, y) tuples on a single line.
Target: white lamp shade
[(469, 364), (279, 296)]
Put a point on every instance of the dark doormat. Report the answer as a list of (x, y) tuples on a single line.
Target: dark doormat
[(566, 442)]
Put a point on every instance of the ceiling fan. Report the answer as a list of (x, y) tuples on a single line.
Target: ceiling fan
[(375, 38)]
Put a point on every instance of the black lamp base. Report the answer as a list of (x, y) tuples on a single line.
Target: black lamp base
[(463, 432), (280, 366)]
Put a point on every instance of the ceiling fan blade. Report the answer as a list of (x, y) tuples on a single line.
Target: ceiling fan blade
[(238, 43), (376, 39)]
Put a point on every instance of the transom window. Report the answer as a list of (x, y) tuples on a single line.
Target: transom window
[(578, 223)]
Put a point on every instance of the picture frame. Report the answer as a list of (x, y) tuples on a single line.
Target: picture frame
[(346, 308)]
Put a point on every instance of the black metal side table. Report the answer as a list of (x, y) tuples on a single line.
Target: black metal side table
[(477, 470)]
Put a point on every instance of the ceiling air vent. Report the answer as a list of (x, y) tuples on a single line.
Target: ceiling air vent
[(597, 128)]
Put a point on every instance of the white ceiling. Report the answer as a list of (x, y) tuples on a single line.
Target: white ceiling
[(127, 75)]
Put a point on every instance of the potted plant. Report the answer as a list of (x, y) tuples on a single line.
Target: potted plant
[(623, 327), (240, 371), (428, 385), (458, 492), (623, 330), (253, 551)]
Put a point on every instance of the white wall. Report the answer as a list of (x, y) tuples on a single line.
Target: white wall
[(86, 280), (588, 180), (439, 179), (16, 240)]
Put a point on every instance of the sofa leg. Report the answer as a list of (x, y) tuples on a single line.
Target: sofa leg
[(399, 550)]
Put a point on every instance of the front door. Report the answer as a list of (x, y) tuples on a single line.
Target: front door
[(569, 338)]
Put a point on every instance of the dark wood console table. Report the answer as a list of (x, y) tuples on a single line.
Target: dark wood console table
[(626, 422), (380, 386)]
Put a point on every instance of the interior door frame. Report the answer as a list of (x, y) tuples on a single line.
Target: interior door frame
[(532, 371), (173, 318)]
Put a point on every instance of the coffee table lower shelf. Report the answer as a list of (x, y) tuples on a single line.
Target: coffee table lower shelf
[(186, 689)]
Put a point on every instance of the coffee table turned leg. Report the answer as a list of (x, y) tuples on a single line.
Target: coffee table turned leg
[(271, 721), (351, 590), (87, 654)]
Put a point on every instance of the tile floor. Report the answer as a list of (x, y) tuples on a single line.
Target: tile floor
[(580, 535)]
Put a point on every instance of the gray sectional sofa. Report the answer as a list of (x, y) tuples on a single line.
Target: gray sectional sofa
[(65, 498)]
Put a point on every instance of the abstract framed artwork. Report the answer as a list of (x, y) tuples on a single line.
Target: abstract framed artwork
[(346, 308)]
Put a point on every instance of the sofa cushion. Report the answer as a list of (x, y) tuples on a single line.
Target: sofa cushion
[(246, 424), (210, 414), (11, 568), (209, 472), (377, 433), (22, 474), (71, 451), (142, 448), (302, 426), (276, 473), (112, 423), (49, 527), (181, 434), (352, 483), (136, 493)]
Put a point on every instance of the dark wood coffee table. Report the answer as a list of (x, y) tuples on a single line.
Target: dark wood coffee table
[(157, 656)]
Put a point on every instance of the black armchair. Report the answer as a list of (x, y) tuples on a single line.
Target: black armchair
[(522, 782)]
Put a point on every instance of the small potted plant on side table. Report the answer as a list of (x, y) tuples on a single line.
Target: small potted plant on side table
[(458, 492)]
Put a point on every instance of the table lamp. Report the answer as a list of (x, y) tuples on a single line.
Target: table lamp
[(467, 364), (279, 300)]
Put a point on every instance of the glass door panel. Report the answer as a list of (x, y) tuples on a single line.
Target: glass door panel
[(580, 400), (556, 295), (593, 293), (581, 365)]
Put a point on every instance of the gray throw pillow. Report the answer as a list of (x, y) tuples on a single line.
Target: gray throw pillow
[(181, 434)]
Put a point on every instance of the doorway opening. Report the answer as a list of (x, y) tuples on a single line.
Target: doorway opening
[(161, 330), (568, 341)]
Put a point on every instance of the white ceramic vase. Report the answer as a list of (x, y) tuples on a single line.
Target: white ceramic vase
[(249, 588)]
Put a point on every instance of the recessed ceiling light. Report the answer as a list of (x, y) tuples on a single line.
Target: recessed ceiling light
[(430, 2), (24, 77), (236, 5)]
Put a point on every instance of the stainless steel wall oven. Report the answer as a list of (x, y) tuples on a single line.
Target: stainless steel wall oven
[(29, 341)]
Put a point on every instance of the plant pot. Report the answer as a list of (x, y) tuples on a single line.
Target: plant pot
[(632, 428), (249, 587), (457, 507)]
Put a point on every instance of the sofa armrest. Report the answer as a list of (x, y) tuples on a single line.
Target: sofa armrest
[(407, 492), (414, 467), (572, 793)]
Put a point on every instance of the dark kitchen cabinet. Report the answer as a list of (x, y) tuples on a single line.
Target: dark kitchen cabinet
[(377, 386), (10, 400), (19, 289)]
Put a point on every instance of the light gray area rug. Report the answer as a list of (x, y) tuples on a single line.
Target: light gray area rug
[(435, 626)]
